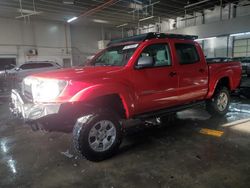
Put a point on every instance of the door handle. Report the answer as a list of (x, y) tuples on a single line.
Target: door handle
[(201, 70), (172, 74)]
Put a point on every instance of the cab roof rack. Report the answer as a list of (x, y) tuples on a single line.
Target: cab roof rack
[(152, 35)]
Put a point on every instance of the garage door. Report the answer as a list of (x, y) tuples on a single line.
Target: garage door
[(241, 48), (7, 63)]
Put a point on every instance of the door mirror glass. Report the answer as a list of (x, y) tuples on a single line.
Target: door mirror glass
[(145, 61)]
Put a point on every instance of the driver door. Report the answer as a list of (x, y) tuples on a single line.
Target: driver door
[(156, 86)]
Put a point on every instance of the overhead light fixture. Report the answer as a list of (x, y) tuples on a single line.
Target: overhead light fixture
[(122, 25), (239, 34), (209, 38), (100, 21), (68, 2), (147, 18), (194, 4), (72, 19)]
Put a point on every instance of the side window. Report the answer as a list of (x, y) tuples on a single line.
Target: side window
[(27, 66), (160, 54), (187, 53), (35, 65), (44, 65)]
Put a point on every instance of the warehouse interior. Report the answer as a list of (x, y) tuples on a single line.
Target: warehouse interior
[(193, 150)]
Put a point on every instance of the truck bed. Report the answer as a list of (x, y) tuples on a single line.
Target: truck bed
[(230, 69)]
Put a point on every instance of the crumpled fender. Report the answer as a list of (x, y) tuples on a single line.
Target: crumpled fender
[(99, 90)]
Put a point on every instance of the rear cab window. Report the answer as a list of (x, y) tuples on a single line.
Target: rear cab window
[(187, 53)]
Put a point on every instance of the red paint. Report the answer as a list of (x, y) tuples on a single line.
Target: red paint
[(148, 89)]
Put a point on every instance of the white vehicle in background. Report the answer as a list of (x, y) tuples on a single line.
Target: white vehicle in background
[(245, 62), (33, 67), (17, 74)]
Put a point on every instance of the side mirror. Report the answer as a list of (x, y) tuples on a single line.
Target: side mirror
[(145, 62)]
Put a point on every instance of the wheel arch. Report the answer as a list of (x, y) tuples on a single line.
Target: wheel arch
[(224, 81), (112, 92), (113, 102)]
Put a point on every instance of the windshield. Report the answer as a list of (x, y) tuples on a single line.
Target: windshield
[(115, 56)]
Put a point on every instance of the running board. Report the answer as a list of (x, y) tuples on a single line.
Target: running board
[(167, 111)]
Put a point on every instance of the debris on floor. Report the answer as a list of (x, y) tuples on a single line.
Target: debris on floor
[(67, 154)]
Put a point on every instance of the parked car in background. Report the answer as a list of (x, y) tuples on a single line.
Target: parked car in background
[(245, 62), (18, 73), (4, 86), (248, 71), (218, 59), (5, 69)]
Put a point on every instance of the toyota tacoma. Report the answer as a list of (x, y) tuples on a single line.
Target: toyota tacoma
[(141, 77)]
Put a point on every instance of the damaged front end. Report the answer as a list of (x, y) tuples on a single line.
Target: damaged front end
[(38, 116), (56, 117), (28, 104), (22, 108)]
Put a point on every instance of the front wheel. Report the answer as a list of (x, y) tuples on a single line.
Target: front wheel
[(97, 136), (219, 104)]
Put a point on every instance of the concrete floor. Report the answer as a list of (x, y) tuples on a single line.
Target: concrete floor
[(174, 156)]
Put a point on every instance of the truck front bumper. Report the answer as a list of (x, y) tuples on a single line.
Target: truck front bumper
[(31, 111), (59, 117)]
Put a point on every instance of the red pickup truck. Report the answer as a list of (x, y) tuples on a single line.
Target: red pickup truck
[(142, 77)]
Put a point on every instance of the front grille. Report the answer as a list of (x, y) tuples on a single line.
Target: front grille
[(27, 92)]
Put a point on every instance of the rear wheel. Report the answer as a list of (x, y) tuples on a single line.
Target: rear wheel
[(97, 136), (219, 104)]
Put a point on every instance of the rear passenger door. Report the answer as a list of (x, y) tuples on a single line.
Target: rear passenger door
[(192, 72)]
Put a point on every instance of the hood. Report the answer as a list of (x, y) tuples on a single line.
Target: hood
[(80, 73), (12, 71)]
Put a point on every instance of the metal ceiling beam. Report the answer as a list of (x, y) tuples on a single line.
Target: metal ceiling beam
[(116, 14), (103, 14)]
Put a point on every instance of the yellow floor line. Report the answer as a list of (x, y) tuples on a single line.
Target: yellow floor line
[(211, 132)]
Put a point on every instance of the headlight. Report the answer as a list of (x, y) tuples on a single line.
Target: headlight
[(45, 90)]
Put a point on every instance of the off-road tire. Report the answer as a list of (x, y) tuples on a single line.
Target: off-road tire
[(212, 105), (82, 130)]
